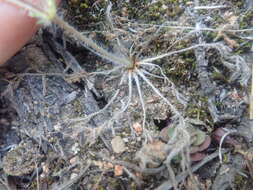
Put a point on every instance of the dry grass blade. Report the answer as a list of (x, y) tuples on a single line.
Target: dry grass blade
[(168, 185), (69, 183)]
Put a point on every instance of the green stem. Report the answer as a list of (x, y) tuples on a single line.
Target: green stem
[(71, 31)]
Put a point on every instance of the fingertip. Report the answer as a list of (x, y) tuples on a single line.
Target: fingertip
[(16, 29)]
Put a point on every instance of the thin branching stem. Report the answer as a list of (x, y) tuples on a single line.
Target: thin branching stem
[(137, 82), (157, 92), (210, 7), (179, 96), (43, 74), (87, 118), (125, 107), (173, 53), (130, 91), (89, 43), (156, 66), (188, 35), (194, 28), (112, 100), (151, 74), (106, 72)]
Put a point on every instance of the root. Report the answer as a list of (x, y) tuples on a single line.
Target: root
[(175, 52), (174, 110), (175, 92), (221, 142), (141, 99), (112, 100), (181, 177), (87, 119)]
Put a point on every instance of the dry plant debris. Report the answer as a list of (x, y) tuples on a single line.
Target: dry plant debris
[(22, 160)]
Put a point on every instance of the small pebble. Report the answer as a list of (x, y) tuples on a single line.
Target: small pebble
[(118, 144), (138, 139), (126, 140), (73, 175)]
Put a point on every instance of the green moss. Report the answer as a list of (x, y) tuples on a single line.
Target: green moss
[(247, 20), (84, 5), (83, 15), (219, 76), (198, 110), (78, 107), (101, 188), (181, 69), (114, 183), (134, 186), (244, 47), (225, 158), (160, 11), (238, 3), (194, 111), (210, 36), (240, 182)]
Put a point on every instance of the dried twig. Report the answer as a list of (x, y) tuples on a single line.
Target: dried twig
[(138, 181), (69, 183), (149, 171), (168, 184), (210, 7)]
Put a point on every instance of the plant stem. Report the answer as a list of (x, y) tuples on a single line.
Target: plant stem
[(89, 43)]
